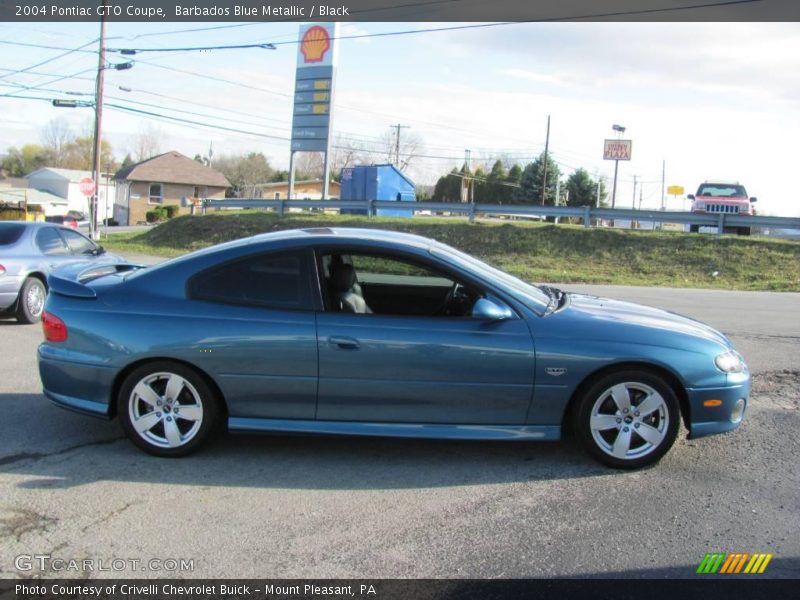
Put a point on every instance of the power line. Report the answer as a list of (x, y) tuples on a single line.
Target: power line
[(126, 51), (49, 60), (42, 89), (455, 27), (40, 73), (198, 123), (39, 86), (197, 114)]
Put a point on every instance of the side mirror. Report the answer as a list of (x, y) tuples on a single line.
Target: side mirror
[(754, 199), (488, 309), (690, 197), (99, 250)]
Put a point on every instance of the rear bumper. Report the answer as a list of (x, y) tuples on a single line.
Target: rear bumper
[(710, 420), (78, 405), (9, 290), (80, 387)]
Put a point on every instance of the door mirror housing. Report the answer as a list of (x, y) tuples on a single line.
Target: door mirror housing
[(490, 309), (690, 197), (753, 199)]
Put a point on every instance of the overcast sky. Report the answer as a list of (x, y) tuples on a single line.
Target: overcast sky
[(713, 100)]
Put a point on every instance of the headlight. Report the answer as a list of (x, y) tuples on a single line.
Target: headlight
[(730, 362)]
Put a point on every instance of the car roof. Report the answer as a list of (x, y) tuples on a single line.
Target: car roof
[(313, 236), (317, 235)]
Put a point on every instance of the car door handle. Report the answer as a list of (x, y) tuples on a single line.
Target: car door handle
[(346, 343)]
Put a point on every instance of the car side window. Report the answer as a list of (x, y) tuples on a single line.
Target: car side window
[(77, 243), (276, 280), (50, 243), (390, 285)]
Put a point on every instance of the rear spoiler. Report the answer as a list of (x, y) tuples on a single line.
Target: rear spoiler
[(76, 287)]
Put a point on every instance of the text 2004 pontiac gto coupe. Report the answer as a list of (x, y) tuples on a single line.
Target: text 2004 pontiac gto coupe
[(367, 332)]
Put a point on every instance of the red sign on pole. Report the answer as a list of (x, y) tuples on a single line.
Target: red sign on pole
[(87, 186)]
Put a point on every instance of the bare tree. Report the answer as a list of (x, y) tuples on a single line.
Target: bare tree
[(244, 171), (56, 136), (344, 153), (308, 165), (147, 143), (411, 146)]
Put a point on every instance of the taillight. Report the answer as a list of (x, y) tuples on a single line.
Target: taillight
[(55, 330), (2, 269)]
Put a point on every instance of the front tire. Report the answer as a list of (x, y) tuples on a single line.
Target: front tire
[(167, 409), (30, 303), (628, 419)]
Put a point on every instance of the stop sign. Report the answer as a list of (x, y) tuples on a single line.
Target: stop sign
[(86, 186)]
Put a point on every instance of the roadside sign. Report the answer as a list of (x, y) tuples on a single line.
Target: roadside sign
[(87, 186), (314, 86), (617, 149), (675, 190)]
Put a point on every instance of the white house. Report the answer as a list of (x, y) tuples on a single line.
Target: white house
[(65, 184), (50, 203)]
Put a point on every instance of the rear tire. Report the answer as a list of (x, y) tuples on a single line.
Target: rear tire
[(167, 409), (628, 419), (30, 302)]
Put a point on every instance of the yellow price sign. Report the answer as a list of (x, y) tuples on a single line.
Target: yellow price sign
[(675, 190)]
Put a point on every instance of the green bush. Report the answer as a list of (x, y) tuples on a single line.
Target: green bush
[(157, 214), (171, 210)]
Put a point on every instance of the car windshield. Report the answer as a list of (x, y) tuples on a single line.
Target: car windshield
[(10, 233), (503, 280), (721, 190)]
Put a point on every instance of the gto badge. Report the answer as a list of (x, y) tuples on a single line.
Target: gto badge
[(555, 371)]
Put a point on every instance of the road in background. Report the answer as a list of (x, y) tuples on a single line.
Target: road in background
[(283, 506)]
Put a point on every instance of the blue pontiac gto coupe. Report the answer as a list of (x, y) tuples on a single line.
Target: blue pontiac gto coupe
[(368, 332)]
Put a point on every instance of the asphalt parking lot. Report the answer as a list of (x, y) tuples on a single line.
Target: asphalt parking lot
[(73, 488)]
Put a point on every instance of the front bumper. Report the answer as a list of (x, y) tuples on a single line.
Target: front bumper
[(709, 420)]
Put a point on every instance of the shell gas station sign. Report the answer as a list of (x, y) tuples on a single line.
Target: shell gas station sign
[(313, 88)]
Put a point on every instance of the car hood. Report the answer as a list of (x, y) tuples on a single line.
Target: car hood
[(610, 314)]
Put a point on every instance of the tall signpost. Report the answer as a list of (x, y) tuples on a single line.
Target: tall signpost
[(616, 150), (313, 96)]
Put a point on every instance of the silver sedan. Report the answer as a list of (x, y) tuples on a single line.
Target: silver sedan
[(28, 253)]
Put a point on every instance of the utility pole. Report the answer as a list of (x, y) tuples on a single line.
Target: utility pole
[(465, 181), (663, 179), (633, 204), (398, 127), (546, 146), (598, 192), (98, 120)]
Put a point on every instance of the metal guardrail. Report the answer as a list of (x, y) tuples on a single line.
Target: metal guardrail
[(586, 214)]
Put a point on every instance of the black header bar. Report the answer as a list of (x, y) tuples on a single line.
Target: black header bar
[(398, 10)]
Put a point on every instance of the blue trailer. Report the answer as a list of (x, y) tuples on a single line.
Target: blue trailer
[(377, 182)]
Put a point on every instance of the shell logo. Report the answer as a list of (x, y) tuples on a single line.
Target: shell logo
[(315, 44)]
